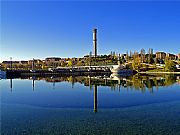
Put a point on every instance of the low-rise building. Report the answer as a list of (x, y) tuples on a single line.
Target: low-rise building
[(178, 55), (160, 55), (35, 61), (9, 62), (171, 56), (52, 59)]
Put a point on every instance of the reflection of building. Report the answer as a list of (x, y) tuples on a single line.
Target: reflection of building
[(139, 82), (160, 55)]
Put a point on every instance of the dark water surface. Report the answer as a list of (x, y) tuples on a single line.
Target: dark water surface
[(137, 105)]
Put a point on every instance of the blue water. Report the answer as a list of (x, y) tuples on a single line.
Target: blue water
[(68, 108)]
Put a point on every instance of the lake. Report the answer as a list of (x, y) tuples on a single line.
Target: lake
[(91, 105)]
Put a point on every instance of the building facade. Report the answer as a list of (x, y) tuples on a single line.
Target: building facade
[(160, 55), (171, 56)]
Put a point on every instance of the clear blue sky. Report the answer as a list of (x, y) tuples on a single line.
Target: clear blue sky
[(64, 29)]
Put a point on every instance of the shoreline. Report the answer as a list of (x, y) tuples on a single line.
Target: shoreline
[(159, 72)]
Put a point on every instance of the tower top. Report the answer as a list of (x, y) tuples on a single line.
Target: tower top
[(94, 30)]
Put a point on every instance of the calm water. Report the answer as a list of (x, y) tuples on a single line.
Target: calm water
[(91, 105)]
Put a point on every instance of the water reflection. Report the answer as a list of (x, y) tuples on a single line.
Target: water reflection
[(93, 102), (141, 83), (11, 84), (95, 98), (137, 82), (33, 84)]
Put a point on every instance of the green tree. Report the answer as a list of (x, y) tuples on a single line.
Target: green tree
[(169, 64), (136, 63), (70, 63), (80, 63)]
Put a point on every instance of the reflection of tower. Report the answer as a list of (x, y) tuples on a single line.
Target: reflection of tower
[(95, 98), (11, 84), (33, 84), (53, 84), (73, 81), (95, 41)]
